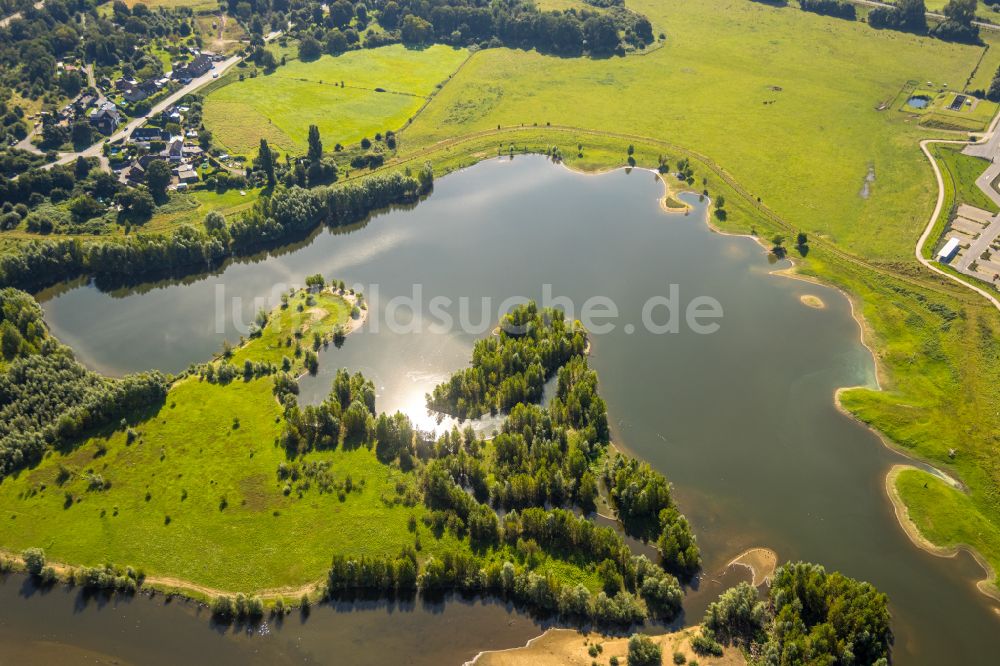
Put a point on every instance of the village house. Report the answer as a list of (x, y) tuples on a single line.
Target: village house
[(106, 118), (149, 134), (193, 69), (139, 92)]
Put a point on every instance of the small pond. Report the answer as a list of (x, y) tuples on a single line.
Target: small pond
[(918, 102)]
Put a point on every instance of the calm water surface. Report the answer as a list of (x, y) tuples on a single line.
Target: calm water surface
[(742, 421)]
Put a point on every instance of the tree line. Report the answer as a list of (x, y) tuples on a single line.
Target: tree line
[(905, 15), (287, 213), (911, 16), (459, 571), (838, 8), (47, 398), (646, 509), (572, 32)]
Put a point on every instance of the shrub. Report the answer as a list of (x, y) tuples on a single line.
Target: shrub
[(705, 645), (642, 651), (34, 560), (222, 608)]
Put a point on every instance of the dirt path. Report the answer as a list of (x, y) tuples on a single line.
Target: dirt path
[(186, 587)]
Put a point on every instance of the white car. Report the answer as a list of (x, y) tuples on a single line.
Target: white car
[(215, 75)]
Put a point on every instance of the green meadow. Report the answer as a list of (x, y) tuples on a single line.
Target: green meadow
[(983, 10), (192, 207), (190, 493), (195, 495), (195, 5), (946, 516), (348, 97), (960, 173), (714, 87), (230, 525)]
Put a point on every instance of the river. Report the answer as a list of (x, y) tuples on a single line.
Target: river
[(741, 420)]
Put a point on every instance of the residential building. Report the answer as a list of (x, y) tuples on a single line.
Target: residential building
[(106, 118)]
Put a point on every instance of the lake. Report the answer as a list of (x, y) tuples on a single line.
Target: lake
[(741, 420)]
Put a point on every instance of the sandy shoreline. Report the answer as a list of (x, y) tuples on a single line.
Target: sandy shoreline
[(987, 585), (760, 561), (352, 323), (562, 647)]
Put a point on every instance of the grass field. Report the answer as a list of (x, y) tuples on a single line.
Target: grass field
[(563, 5), (191, 207), (230, 525), (947, 516), (195, 496), (323, 317), (281, 106), (194, 5), (228, 40), (960, 173), (712, 88)]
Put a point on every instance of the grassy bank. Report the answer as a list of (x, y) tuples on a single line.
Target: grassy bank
[(947, 517), (781, 97)]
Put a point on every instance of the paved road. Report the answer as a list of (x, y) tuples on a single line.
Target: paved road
[(988, 150), (26, 143), (934, 15), (989, 142), (980, 245), (96, 149)]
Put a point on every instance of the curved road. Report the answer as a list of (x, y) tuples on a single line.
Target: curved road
[(96, 150), (991, 137)]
